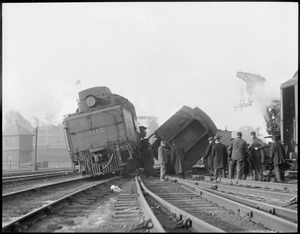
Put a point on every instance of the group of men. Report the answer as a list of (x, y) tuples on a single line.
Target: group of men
[(244, 157)]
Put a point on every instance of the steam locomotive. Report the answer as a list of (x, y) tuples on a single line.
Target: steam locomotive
[(103, 136)]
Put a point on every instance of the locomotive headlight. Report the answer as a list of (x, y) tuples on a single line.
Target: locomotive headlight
[(91, 101)]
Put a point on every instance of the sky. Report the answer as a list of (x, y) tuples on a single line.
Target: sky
[(160, 56)]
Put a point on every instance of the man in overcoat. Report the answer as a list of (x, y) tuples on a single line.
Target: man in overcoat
[(278, 156), (148, 160), (237, 154), (177, 158), (162, 158), (257, 156), (219, 154), (207, 158)]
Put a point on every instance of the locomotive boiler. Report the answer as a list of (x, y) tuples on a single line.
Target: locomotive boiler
[(103, 136)]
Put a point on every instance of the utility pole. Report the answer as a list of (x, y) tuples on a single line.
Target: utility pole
[(35, 151)]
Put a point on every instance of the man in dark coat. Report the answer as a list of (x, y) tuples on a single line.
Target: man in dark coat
[(237, 153), (207, 158), (278, 156), (219, 154), (257, 156), (177, 158), (148, 160), (162, 159)]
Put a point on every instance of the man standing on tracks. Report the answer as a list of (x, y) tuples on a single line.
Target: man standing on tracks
[(162, 158), (177, 158), (278, 156), (207, 158), (219, 155), (257, 158), (147, 158), (237, 153)]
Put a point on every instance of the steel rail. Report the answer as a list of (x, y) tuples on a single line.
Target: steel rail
[(33, 189), (156, 225), (32, 177), (270, 208), (282, 186), (268, 220), (197, 224), (29, 171), (47, 208), (246, 190)]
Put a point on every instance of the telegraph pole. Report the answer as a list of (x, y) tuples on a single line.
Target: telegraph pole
[(35, 151)]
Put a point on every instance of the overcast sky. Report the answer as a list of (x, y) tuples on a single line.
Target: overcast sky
[(160, 56)]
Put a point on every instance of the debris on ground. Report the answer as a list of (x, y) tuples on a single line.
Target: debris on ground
[(115, 188)]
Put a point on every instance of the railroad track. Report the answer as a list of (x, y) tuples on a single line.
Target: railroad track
[(267, 192), (30, 172), (130, 211), (252, 183), (147, 204), (16, 178), (21, 209), (205, 210), (34, 189)]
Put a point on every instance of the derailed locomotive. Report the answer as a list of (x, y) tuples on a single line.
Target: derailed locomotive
[(103, 136)]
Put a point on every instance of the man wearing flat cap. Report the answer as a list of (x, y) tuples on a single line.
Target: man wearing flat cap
[(219, 155), (207, 158)]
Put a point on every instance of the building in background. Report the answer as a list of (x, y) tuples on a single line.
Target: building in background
[(17, 151), (225, 136), (51, 146)]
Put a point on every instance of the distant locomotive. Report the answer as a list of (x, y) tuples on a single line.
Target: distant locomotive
[(103, 136)]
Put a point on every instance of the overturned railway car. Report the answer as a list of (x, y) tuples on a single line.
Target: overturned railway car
[(191, 129), (103, 136)]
